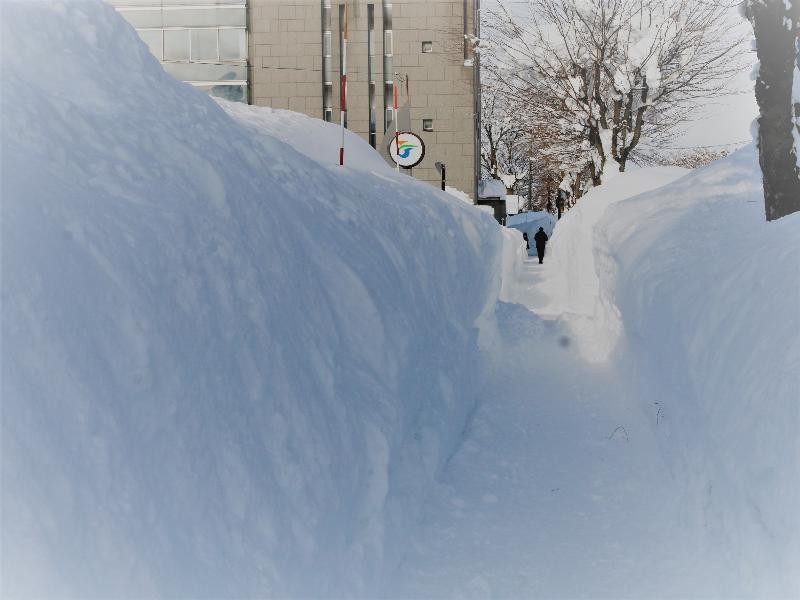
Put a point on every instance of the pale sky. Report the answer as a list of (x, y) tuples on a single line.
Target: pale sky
[(727, 119), (723, 120)]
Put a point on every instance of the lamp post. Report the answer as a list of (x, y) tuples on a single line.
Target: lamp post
[(440, 166)]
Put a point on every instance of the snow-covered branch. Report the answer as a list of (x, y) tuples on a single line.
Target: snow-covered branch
[(598, 76)]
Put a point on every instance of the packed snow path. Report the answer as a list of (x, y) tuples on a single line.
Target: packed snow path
[(553, 492)]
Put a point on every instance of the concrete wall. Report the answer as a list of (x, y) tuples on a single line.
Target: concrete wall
[(286, 72)]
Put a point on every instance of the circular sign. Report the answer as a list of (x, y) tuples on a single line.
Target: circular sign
[(406, 149)]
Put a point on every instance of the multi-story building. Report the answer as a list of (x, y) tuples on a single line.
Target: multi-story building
[(288, 54)]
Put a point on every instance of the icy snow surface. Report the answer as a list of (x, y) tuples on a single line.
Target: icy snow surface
[(231, 368)]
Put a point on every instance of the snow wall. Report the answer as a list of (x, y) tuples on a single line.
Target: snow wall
[(229, 369), (710, 295), (677, 279)]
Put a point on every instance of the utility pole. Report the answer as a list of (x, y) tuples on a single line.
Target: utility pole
[(530, 183)]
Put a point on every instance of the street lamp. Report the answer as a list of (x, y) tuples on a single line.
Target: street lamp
[(440, 166)]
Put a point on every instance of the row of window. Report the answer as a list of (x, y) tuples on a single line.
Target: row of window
[(185, 16), (206, 44), (203, 42)]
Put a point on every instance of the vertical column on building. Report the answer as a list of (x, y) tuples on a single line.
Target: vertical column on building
[(466, 36), (388, 66), (343, 61), (327, 59), (371, 74)]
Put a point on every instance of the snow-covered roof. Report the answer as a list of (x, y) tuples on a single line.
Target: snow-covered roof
[(491, 188)]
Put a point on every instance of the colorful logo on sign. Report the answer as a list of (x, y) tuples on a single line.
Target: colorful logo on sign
[(406, 149)]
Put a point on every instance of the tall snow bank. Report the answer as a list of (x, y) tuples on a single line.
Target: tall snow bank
[(228, 370), (693, 298), (710, 297)]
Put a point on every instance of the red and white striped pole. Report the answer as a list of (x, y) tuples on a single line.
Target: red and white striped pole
[(343, 85), (396, 134)]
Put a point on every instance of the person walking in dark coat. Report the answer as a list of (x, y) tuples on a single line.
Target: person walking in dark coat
[(525, 237), (561, 201), (541, 241)]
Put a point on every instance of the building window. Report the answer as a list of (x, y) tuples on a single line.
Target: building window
[(207, 45), (204, 44), (427, 124), (176, 44), (427, 47), (232, 44)]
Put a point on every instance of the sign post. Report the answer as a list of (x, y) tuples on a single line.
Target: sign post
[(406, 149), (394, 114)]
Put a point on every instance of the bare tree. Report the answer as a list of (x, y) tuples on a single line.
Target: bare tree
[(776, 24), (598, 75), (510, 146), (504, 143)]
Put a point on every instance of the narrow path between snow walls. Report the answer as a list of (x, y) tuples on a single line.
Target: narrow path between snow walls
[(637, 430), (229, 369)]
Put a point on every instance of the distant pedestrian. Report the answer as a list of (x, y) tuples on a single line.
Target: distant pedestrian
[(541, 241), (525, 237), (561, 201)]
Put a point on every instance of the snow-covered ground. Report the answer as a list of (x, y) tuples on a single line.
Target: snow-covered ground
[(231, 368)]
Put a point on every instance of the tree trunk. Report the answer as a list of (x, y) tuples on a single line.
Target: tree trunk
[(576, 187), (797, 100), (776, 151), (635, 127)]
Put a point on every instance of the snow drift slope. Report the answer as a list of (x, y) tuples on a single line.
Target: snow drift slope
[(710, 296), (314, 138), (227, 369), (696, 300)]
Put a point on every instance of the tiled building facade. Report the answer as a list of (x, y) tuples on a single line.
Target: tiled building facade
[(424, 41), (287, 54)]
